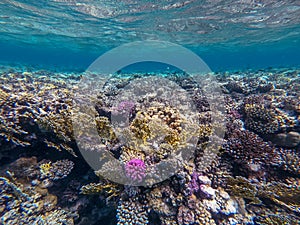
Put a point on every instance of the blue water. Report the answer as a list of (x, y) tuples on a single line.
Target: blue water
[(71, 34)]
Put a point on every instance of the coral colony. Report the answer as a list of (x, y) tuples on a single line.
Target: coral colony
[(253, 177), (135, 170)]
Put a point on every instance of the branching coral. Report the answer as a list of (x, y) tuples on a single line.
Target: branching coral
[(35, 109), (286, 196), (135, 169), (263, 117), (287, 159), (105, 130), (241, 187), (146, 123), (108, 189), (276, 219), (247, 149), (140, 127), (283, 195)]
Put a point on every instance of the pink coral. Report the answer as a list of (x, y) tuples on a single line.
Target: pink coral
[(127, 106), (135, 169)]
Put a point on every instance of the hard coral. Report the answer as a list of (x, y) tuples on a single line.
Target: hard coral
[(263, 116), (108, 189), (36, 109), (131, 211), (25, 202), (135, 169), (276, 219), (286, 196), (248, 149), (241, 187), (288, 160), (57, 170), (261, 119)]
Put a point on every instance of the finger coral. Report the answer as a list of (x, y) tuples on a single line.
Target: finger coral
[(131, 212)]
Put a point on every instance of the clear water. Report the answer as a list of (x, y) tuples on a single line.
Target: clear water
[(70, 34)]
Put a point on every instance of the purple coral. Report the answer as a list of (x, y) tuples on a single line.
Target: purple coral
[(193, 184), (135, 169), (200, 184), (126, 106)]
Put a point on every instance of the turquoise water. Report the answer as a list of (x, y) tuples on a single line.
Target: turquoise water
[(71, 34), (244, 119)]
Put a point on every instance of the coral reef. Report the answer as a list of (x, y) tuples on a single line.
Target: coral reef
[(25, 202), (276, 219), (57, 170), (250, 177), (288, 160), (108, 189), (249, 151), (263, 117), (36, 108)]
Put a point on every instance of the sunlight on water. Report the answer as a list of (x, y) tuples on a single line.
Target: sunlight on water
[(93, 23)]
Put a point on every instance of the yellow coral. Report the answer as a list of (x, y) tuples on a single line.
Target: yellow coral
[(140, 126), (241, 187), (172, 138), (205, 130), (284, 195), (104, 128), (110, 190), (45, 168), (131, 153)]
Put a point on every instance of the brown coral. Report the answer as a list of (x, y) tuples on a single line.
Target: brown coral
[(37, 110)]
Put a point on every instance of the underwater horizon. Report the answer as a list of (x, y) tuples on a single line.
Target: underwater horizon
[(151, 112)]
